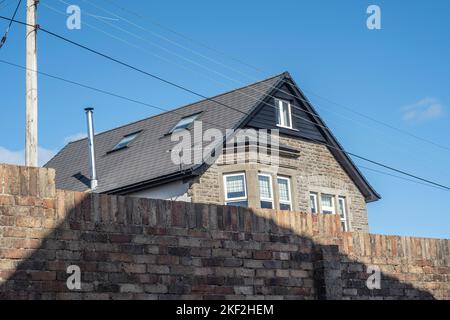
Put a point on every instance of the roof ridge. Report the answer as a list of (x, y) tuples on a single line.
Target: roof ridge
[(285, 73)]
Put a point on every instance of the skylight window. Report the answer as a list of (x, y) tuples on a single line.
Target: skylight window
[(126, 140), (185, 122)]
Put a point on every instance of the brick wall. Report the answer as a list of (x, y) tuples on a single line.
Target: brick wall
[(130, 248), (315, 170)]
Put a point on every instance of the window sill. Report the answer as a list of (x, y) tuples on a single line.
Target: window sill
[(284, 127)]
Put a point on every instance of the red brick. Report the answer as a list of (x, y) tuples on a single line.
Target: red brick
[(43, 275), (6, 200), (178, 214), (14, 232), (48, 203), (27, 201), (120, 238), (29, 222), (262, 255), (25, 243), (167, 260), (15, 253)]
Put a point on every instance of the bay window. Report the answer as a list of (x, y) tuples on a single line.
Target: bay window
[(327, 204), (284, 193), (343, 213), (313, 202), (265, 191)]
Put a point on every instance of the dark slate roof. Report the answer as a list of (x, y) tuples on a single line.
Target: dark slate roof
[(147, 159)]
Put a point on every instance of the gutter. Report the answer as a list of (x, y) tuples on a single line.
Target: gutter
[(152, 182)]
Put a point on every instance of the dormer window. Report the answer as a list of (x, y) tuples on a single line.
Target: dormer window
[(126, 140), (184, 122), (284, 114)]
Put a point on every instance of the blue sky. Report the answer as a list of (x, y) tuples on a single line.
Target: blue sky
[(399, 75)]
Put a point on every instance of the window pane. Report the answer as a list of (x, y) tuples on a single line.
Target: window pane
[(342, 208), (283, 189), (313, 203), (237, 204), (285, 206), (235, 186), (327, 204), (285, 113), (184, 122), (278, 110), (327, 200), (264, 187), (266, 205), (126, 141)]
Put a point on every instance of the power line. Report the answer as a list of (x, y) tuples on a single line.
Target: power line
[(428, 161), (372, 119), (79, 84), (166, 110), (173, 43), (385, 124), (241, 93), (129, 43), (213, 100), (189, 38), (391, 168), (400, 177), (5, 36), (171, 83), (106, 92), (209, 69), (173, 111), (183, 58), (382, 123)]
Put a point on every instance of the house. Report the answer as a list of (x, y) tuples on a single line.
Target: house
[(313, 174)]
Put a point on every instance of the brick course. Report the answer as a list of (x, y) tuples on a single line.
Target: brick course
[(132, 248)]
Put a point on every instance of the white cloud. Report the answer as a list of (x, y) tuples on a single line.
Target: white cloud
[(11, 157), (18, 157), (423, 110), (75, 137)]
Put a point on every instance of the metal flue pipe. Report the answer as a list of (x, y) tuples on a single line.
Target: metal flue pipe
[(90, 128)]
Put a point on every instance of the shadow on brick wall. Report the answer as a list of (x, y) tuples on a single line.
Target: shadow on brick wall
[(130, 248)]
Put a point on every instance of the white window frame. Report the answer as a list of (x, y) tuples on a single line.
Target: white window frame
[(271, 190), (129, 138), (315, 195), (191, 117), (238, 199), (288, 179), (344, 208), (333, 204), (280, 119)]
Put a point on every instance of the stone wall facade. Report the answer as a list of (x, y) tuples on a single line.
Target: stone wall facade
[(131, 248), (315, 170)]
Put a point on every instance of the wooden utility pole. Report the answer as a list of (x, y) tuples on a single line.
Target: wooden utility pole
[(31, 134)]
